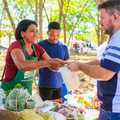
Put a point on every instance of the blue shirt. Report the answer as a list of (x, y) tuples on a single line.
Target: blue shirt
[(48, 78), (109, 91)]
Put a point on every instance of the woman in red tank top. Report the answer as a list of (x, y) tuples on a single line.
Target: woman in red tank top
[(24, 55)]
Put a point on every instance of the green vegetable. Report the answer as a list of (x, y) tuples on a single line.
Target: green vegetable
[(16, 100), (19, 86)]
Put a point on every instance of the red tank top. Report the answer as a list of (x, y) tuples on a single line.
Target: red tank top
[(11, 68)]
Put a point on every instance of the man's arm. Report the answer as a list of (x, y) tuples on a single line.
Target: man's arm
[(94, 71), (94, 62)]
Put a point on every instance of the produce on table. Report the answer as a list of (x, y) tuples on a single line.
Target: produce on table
[(47, 116), (81, 116), (30, 103), (29, 115), (85, 102), (70, 112), (18, 99), (46, 106)]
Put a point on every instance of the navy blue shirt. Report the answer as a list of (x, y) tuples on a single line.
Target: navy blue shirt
[(109, 91), (48, 78)]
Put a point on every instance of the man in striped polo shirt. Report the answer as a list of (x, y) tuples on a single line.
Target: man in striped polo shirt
[(107, 70)]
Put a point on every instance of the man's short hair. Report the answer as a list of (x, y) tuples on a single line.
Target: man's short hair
[(110, 5), (54, 25)]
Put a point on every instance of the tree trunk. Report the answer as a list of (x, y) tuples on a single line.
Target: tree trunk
[(8, 13), (61, 10), (40, 16), (98, 30), (9, 39), (62, 18), (36, 9), (64, 30), (47, 17)]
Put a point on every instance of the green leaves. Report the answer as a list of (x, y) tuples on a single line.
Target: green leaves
[(80, 15)]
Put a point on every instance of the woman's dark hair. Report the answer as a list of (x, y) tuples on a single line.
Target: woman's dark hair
[(22, 27), (54, 25)]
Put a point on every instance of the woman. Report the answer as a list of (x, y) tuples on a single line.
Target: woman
[(23, 56)]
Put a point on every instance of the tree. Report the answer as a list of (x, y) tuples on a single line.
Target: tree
[(77, 18), (8, 13), (62, 18), (40, 15)]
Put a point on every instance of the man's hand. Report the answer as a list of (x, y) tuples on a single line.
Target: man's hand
[(96, 103), (73, 66)]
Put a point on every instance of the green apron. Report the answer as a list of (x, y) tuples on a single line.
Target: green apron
[(23, 78)]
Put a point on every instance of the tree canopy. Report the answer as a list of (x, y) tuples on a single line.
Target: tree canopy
[(79, 18)]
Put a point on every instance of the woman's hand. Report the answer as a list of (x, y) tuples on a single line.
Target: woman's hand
[(56, 63)]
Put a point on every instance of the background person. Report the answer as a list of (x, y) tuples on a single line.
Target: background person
[(51, 85)]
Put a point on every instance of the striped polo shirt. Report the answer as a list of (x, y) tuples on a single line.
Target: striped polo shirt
[(109, 91)]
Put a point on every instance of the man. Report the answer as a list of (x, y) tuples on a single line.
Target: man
[(100, 51), (51, 83), (107, 70)]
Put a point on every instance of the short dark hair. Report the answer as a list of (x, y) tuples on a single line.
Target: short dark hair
[(111, 5), (54, 25), (22, 27)]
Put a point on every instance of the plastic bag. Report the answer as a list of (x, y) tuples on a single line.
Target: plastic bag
[(70, 78), (2, 98), (17, 98)]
